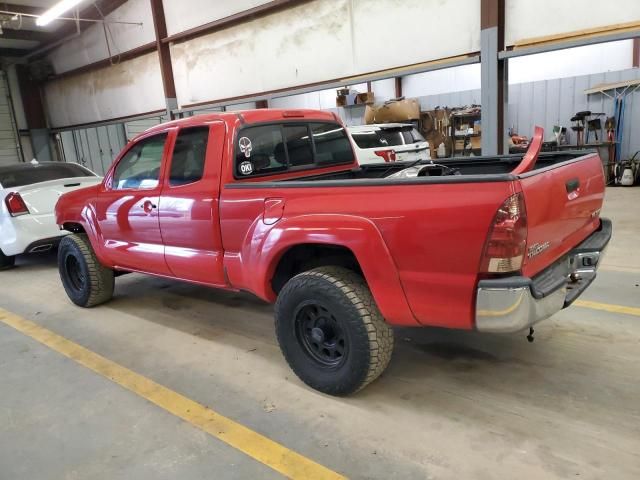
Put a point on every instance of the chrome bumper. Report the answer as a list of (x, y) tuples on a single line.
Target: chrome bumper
[(513, 304)]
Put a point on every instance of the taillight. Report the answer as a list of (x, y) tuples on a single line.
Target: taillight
[(505, 247), (388, 155), (15, 204)]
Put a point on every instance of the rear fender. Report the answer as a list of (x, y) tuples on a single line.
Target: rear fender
[(265, 245)]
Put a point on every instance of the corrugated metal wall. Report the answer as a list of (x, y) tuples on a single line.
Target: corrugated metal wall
[(554, 102), (9, 142), (95, 148)]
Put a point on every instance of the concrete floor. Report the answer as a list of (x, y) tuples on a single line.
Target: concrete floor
[(451, 405)]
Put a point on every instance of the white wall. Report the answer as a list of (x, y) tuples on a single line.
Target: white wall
[(183, 15), (465, 77), (605, 57), (526, 19), (318, 41), (129, 88), (91, 45)]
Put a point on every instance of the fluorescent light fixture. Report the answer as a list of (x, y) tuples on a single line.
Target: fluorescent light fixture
[(55, 11)]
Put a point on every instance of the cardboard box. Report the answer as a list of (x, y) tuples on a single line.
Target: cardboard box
[(346, 100), (435, 138), (477, 127), (393, 111), (364, 98), (476, 142)]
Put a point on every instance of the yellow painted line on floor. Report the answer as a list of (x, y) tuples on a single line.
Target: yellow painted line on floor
[(608, 307), (260, 448), (619, 268)]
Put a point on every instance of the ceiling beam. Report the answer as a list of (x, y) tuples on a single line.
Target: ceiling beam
[(21, 9), (22, 34), (12, 52)]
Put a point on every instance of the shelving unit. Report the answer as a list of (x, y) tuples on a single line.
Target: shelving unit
[(460, 142)]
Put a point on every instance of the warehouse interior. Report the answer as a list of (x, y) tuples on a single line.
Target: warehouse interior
[(174, 379)]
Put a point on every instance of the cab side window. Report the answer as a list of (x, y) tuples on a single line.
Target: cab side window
[(140, 166), (187, 163), (279, 147)]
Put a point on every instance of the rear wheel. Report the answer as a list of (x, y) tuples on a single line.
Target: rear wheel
[(85, 280), (331, 332), (6, 262)]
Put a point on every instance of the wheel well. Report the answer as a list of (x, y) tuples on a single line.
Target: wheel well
[(73, 227), (307, 256)]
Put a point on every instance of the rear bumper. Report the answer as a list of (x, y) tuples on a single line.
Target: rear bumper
[(28, 233), (513, 304)]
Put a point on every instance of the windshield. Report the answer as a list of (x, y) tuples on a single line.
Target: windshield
[(387, 137), (28, 174)]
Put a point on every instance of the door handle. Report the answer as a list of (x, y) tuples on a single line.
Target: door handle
[(148, 206), (572, 185)]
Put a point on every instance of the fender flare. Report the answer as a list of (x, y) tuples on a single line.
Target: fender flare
[(265, 245), (87, 218)]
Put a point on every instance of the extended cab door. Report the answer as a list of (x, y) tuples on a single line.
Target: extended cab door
[(127, 208), (189, 219)]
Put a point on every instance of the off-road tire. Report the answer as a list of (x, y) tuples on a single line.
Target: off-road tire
[(6, 262), (368, 337), (85, 280)]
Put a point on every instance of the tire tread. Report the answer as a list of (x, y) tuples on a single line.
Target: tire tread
[(101, 278), (357, 294)]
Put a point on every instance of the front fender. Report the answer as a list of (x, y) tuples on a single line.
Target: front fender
[(79, 207), (265, 245)]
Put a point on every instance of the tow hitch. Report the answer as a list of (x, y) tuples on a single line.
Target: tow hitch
[(530, 338)]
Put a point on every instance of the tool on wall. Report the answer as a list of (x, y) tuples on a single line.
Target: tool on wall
[(579, 120), (614, 125)]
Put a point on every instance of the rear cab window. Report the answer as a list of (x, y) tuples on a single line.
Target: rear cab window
[(288, 146)]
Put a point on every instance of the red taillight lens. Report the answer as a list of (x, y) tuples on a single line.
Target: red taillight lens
[(388, 155), (15, 205), (507, 240)]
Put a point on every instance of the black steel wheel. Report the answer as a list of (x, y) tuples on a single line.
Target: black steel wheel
[(85, 280), (321, 334), (331, 332)]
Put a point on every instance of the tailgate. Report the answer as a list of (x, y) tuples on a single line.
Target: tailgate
[(563, 205)]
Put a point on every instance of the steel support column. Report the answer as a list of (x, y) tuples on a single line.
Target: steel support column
[(164, 54), (39, 133), (494, 78), (398, 86)]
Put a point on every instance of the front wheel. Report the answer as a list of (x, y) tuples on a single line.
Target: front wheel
[(85, 280), (331, 332), (6, 262)]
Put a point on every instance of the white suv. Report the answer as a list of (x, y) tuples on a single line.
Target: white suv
[(388, 142)]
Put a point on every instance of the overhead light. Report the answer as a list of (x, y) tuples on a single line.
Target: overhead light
[(55, 11)]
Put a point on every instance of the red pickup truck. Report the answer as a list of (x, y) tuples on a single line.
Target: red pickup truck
[(273, 202)]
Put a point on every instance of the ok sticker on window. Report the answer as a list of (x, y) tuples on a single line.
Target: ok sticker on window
[(245, 146), (246, 168)]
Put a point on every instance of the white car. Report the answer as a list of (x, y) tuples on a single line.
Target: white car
[(388, 142), (28, 195)]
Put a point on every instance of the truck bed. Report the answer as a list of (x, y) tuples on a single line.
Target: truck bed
[(471, 169), (434, 227)]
